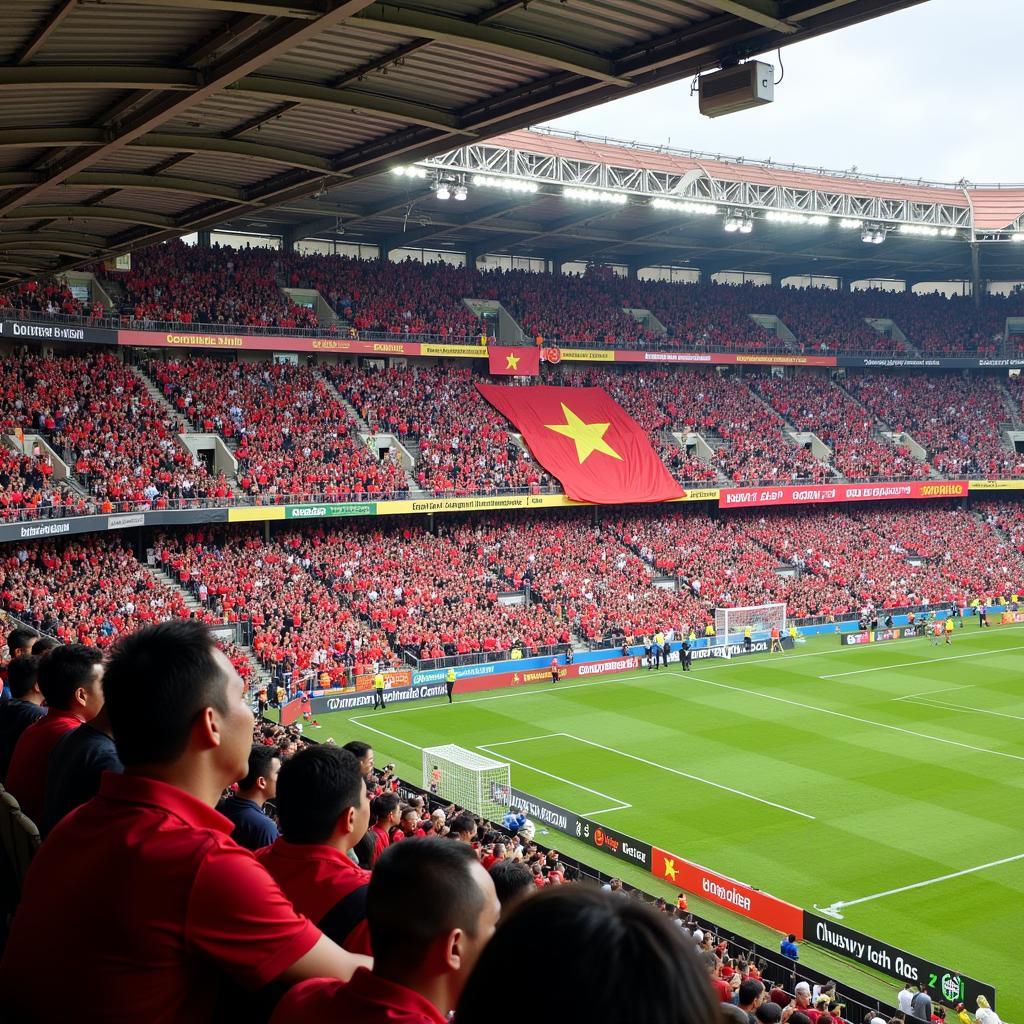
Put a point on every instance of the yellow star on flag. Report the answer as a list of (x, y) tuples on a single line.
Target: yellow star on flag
[(588, 437), (512, 362), (670, 869)]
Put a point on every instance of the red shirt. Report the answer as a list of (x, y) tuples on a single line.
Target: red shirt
[(150, 908), (26, 776), (722, 989), (325, 886), (381, 842), (366, 999)]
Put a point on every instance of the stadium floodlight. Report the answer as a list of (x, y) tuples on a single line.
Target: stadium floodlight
[(738, 221), (1017, 236), (443, 191), (850, 224), (783, 217), (479, 784), (947, 232), (409, 172), (920, 230), (461, 192), (677, 206), (873, 234), (593, 195), (506, 184)]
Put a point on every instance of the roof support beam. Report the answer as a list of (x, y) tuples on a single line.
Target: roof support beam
[(303, 10), (532, 50), (45, 30), (87, 76), (73, 212), (259, 51), (761, 12)]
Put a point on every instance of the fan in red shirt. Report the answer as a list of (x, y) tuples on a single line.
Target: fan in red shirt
[(387, 811), (421, 959), (324, 812), (141, 896), (69, 678)]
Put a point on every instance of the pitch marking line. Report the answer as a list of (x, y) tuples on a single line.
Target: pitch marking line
[(924, 693), (921, 661), (621, 805), (946, 706), (833, 909), (853, 718), (687, 775)]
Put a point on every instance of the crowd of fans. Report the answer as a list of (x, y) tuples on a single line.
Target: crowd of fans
[(175, 283), (295, 439), (465, 447), (812, 403), (97, 414), (957, 420)]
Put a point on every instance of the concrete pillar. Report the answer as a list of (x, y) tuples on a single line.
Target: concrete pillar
[(288, 240), (203, 240), (976, 273)]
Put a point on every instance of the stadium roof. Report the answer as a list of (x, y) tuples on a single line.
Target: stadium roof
[(132, 121)]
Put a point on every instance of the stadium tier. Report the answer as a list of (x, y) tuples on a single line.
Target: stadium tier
[(175, 286)]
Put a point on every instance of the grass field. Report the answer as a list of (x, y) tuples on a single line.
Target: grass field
[(885, 781)]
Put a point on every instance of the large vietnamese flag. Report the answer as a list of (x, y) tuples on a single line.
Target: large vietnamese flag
[(584, 439)]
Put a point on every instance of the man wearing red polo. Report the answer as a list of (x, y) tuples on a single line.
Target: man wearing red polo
[(421, 959), (152, 911), (324, 812), (70, 681)]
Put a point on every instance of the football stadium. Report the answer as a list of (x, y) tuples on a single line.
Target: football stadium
[(451, 564)]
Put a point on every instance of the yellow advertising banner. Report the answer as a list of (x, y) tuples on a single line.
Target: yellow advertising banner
[(475, 503), (255, 514), (996, 485), (587, 355), (454, 351)]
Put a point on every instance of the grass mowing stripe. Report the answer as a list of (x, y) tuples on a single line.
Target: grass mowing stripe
[(833, 908), (920, 661), (928, 703), (687, 775), (855, 718)]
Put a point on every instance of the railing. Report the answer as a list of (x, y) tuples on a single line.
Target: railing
[(772, 345)]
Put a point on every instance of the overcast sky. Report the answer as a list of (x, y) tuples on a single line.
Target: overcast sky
[(931, 92)]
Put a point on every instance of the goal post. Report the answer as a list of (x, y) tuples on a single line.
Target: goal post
[(731, 624), (479, 784)]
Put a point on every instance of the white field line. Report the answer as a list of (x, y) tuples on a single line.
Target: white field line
[(833, 908), (622, 805), (921, 661), (687, 775), (853, 718), (524, 739), (945, 705), (604, 810), (924, 693)]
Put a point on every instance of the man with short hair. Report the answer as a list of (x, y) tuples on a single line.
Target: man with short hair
[(904, 998), (70, 680), (408, 826), (20, 642), (324, 812), (788, 947), (363, 753), (244, 809), (463, 828), (76, 766), (513, 882), (749, 997), (422, 958), (140, 895), (386, 810), (24, 707), (921, 1004)]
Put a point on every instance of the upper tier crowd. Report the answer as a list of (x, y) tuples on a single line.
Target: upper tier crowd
[(179, 284)]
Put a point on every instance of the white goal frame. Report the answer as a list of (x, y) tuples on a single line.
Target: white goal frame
[(477, 783), (732, 623)]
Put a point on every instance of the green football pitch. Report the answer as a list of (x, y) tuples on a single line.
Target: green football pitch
[(885, 782)]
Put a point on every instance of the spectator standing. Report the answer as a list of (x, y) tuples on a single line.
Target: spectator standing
[(253, 829), (70, 680), (904, 998), (324, 812), (431, 910), (20, 641), (921, 1004), (76, 766), (141, 896), (24, 707), (788, 947)]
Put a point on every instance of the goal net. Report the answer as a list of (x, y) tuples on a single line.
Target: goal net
[(732, 623), (477, 783)]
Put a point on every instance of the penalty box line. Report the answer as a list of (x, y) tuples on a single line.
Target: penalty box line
[(619, 805)]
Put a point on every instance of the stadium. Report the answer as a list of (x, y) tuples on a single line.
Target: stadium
[(624, 538)]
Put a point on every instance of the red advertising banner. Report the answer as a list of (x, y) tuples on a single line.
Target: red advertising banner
[(393, 677), (812, 494), (513, 362), (726, 892)]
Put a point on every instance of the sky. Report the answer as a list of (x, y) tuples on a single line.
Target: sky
[(931, 92)]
